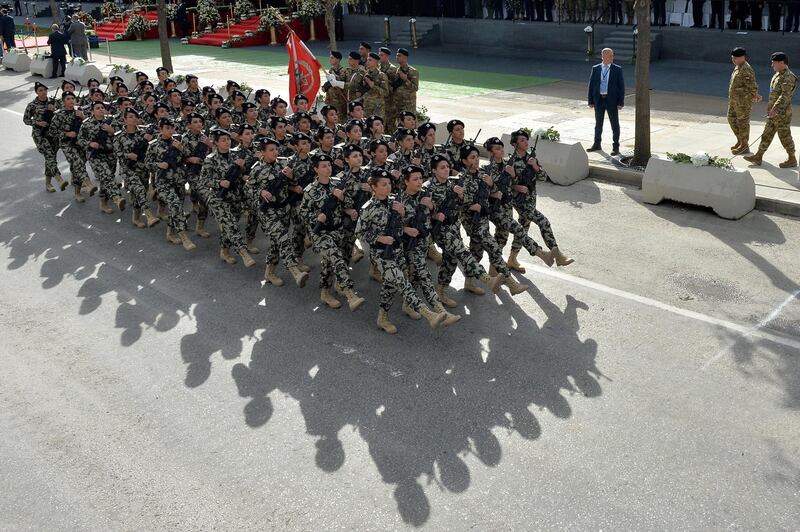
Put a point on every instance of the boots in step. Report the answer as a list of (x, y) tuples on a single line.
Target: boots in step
[(374, 274), (136, 218), (151, 218), (449, 318), (104, 206), (271, 276), (492, 283), (61, 183), (200, 229), (89, 187), (410, 312), (446, 300), (561, 259), (513, 263), (300, 278), (251, 247), (513, 286), (172, 238), (353, 300), (326, 297), (77, 194), (434, 254), (48, 184), (302, 266), (754, 159), (791, 162), (188, 245), (162, 211), (471, 285), (247, 260), (433, 317), (384, 323), (548, 257), (225, 254), (119, 201)]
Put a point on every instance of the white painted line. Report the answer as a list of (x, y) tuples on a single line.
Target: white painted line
[(744, 330), (13, 112)]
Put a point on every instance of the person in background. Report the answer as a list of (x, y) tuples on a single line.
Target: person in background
[(606, 95), (58, 51)]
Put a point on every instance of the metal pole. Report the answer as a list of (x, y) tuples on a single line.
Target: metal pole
[(108, 48), (387, 37), (413, 23)]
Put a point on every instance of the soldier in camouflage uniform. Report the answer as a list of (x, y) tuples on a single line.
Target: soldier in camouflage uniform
[(374, 88), (321, 210), (64, 127), (182, 124), (219, 188), (379, 150), (779, 112), (742, 92), (250, 118), (278, 125), (264, 108), (452, 148), (196, 146), (203, 105), (404, 87), (386, 66), (353, 76), (130, 148), (385, 249), (416, 238), (192, 92), (38, 114), (404, 156), (163, 160), (326, 140), (426, 133), (300, 173), (524, 202), (357, 192), (67, 86), (334, 84), (95, 138), (246, 150), (174, 104), (268, 193)]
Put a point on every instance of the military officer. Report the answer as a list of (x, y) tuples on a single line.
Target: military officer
[(742, 92)]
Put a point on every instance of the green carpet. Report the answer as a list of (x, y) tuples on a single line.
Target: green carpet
[(435, 81)]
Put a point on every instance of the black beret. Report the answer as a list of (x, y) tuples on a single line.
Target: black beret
[(248, 105), (378, 142), (131, 110), (353, 105), (372, 119), (354, 55), (122, 86), (278, 100), (379, 173), (159, 69), (348, 127), (221, 111), (404, 132), (217, 97), (779, 56), (466, 150), (453, 123), (95, 90), (37, 85), (738, 52), (385, 50), (191, 116), (65, 82), (404, 114), (266, 141), (411, 168), (209, 90), (169, 80), (67, 93), (123, 99), (139, 74), (326, 109), (337, 54), (321, 158), (261, 92), (173, 91), (166, 121), (519, 133), (366, 45), (237, 94), (350, 148), (241, 129), (436, 159), (492, 141), (218, 132), (374, 56), (190, 77), (300, 96), (146, 83), (402, 51), (275, 120), (302, 116), (231, 83), (99, 102), (424, 128), (160, 105), (112, 79), (186, 103), (95, 80), (302, 136), (322, 131)]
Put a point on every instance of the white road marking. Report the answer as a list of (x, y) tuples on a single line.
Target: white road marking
[(13, 112), (744, 330)]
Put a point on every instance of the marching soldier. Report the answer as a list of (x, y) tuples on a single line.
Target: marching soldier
[(95, 138), (300, 173), (196, 147), (38, 114), (130, 148), (404, 87), (65, 126), (263, 98), (779, 112), (356, 194), (334, 86), (742, 92), (452, 148)]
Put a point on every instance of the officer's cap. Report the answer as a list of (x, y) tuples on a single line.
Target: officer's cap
[(353, 123), (379, 173), (95, 90), (278, 100), (65, 83), (190, 77), (275, 120), (139, 74), (123, 99), (67, 93), (241, 129), (160, 105), (322, 131), (302, 116), (160, 69), (93, 80), (185, 102), (173, 91), (231, 83), (326, 109), (237, 94), (112, 79), (519, 133)]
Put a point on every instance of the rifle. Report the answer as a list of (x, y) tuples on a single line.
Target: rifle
[(503, 182), (274, 187), (170, 157), (200, 151), (329, 210), (394, 229), (396, 83), (234, 177), (140, 149), (102, 139), (364, 88), (74, 126), (303, 181), (448, 208), (482, 198), (47, 114), (418, 222)]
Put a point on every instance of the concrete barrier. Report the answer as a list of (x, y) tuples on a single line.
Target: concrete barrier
[(731, 194), (564, 163), (41, 66), (82, 73), (128, 78), (16, 60)]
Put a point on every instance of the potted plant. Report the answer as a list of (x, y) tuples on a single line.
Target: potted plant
[(138, 26), (242, 9), (700, 179), (171, 14), (207, 13), (270, 20), (308, 10)]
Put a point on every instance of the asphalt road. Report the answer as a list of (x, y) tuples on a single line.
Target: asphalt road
[(654, 384)]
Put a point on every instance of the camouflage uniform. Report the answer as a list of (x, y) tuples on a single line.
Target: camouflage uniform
[(391, 73), (133, 173), (335, 96), (195, 97), (453, 152), (61, 124), (372, 223), (400, 160), (102, 159), (166, 182), (525, 205), (303, 175), (389, 166), (781, 91), (45, 143), (404, 97), (374, 98), (418, 273), (354, 79), (215, 167), (242, 206), (477, 227), (743, 87), (425, 155), (274, 216), (191, 174), (326, 243), (336, 153), (354, 198), (264, 114)]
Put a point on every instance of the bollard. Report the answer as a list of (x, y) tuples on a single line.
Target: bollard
[(589, 41), (387, 34), (413, 23)]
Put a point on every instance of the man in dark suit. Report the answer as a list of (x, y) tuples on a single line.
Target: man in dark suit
[(606, 95), (58, 51)]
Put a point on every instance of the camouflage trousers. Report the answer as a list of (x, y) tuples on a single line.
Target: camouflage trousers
[(332, 265), (135, 179), (418, 274), (194, 196), (48, 148), (393, 279), (168, 194), (226, 213), (481, 240), (398, 105), (781, 125), (527, 213), (240, 207), (348, 232), (77, 162), (453, 253), (739, 119), (275, 224), (104, 170), (299, 232), (374, 107), (504, 222)]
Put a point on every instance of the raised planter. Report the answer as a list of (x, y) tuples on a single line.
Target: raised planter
[(564, 163), (730, 193), (128, 78), (82, 73), (42, 66), (17, 60)]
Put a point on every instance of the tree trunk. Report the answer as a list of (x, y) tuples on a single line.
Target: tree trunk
[(163, 36), (330, 21), (641, 151)]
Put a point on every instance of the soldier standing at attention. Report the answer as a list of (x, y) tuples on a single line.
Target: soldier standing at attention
[(375, 88), (742, 92), (404, 87), (334, 86), (779, 112), (390, 70), (364, 50), (38, 115)]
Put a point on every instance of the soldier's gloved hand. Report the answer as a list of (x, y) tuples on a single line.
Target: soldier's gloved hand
[(225, 183), (399, 208), (336, 83)]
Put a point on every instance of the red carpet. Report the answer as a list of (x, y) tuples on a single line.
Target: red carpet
[(217, 37), (109, 30)]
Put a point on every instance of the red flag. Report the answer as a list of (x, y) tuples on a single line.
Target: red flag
[(303, 69)]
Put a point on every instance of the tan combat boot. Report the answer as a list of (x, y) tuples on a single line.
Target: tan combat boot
[(737, 145), (271, 276), (247, 260), (151, 219), (200, 229), (374, 274), (353, 300), (513, 263), (89, 187), (300, 278), (492, 283), (434, 318), (302, 266), (449, 318), (384, 323), (77, 194), (188, 245), (136, 218), (492, 271), (791, 162), (307, 241), (104, 206), (61, 183), (410, 312), (119, 201), (162, 211), (172, 238), (447, 301), (513, 286), (225, 254), (252, 248), (357, 254), (561, 259), (754, 159), (326, 297), (434, 254), (548, 257), (48, 184), (151, 192), (470, 285), (742, 148)]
